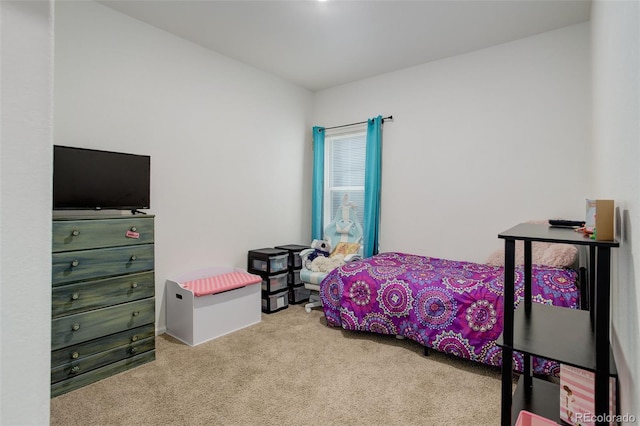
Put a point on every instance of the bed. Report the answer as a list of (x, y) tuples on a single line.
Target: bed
[(450, 306)]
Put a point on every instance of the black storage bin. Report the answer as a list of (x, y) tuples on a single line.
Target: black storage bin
[(298, 294), (293, 278), (275, 302), (294, 254), (268, 261), (274, 283)]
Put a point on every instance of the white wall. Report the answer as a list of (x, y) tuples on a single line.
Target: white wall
[(226, 140), (479, 142), (26, 82), (616, 155)]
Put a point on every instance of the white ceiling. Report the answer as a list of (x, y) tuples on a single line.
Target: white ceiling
[(322, 44)]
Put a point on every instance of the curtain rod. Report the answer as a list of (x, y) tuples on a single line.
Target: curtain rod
[(355, 124)]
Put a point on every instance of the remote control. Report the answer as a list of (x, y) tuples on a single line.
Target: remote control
[(567, 223)]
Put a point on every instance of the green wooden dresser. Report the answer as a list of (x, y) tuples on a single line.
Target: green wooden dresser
[(103, 298)]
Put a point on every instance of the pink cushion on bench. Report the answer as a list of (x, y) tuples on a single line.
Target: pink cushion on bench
[(220, 283)]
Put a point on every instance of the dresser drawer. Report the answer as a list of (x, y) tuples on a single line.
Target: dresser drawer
[(84, 365), (85, 234), (100, 373), (92, 347), (89, 325), (86, 264), (73, 298)]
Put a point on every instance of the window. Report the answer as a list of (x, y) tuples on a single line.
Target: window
[(340, 161), (344, 161)]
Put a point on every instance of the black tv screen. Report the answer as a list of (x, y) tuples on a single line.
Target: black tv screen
[(92, 179)]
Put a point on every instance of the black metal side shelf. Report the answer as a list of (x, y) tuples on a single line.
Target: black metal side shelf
[(573, 337), (557, 334)]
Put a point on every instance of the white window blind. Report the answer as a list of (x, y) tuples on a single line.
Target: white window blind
[(344, 171)]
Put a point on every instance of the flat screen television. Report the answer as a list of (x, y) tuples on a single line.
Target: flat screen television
[(89, 179)]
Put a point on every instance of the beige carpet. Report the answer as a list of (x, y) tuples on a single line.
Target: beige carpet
[(291, 369)]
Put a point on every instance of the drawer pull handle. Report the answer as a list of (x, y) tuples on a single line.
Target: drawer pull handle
[(75, 232), (75, 327), (134, 285), (75, 263), (75, 296), (136, 313), (133, 350), (134, 338), (133, 257), (75, 355), (75, 369), (134, 229)]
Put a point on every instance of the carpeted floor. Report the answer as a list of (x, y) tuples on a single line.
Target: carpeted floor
[(291, 369)]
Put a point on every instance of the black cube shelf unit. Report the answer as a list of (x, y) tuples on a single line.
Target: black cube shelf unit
[(573, 337)]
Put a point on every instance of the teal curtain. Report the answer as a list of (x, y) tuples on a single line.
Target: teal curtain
[(372, 181), (317, 191)]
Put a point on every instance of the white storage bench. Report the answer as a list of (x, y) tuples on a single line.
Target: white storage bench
[(194, 317)]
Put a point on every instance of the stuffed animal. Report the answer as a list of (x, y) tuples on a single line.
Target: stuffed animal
[(327, 264), (321, 248)]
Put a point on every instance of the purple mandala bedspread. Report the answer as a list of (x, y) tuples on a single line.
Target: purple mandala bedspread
[(451, 306)]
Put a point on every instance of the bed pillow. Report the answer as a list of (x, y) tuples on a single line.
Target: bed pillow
[(548, 254)]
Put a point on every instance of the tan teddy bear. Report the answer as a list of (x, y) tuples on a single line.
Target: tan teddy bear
[(327, 264)]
